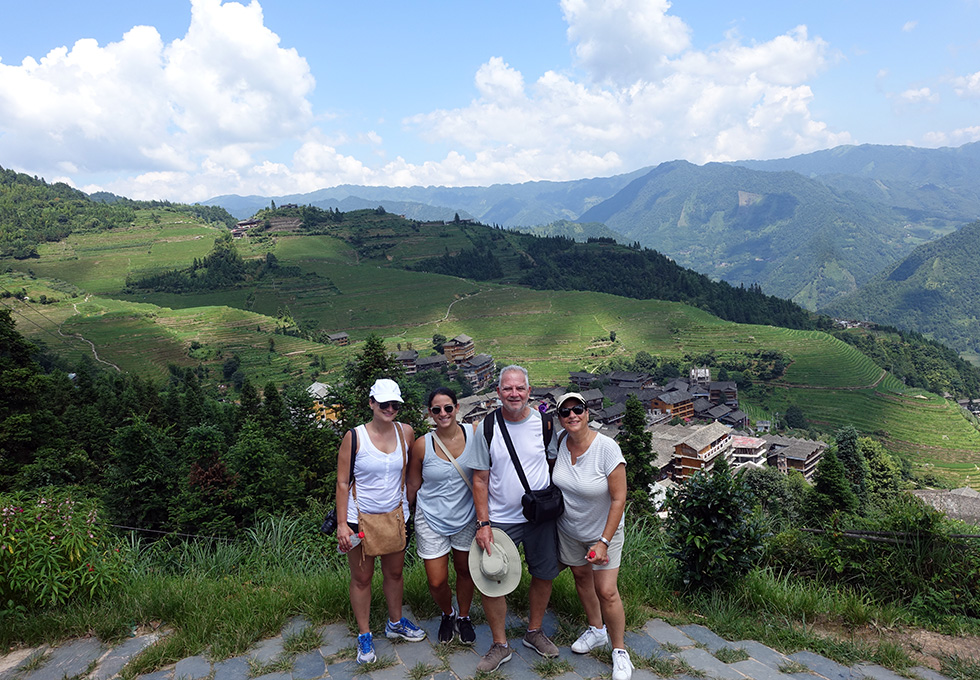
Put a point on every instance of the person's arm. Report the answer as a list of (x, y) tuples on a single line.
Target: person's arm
[(344, 532), (481, 498), (617, 495), (415, 458)]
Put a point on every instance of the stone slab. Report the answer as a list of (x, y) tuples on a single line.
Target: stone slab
[(278, 675), (584, 665), (928, 673), (343, 670), (419, 652), (463, 663), (702, 660), (762, 653), (156, 675), (666, 634), (11, 661), (704, 636), (877, 672), (68, 661), (333, 638), (114, 661), (643, 644), (309, 666), (192, 668), (753, 668), (294, 626), (236, 668), (821, 665), (266, 651)]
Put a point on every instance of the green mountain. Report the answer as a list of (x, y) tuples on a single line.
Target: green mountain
[(795, 236), (935, 290)]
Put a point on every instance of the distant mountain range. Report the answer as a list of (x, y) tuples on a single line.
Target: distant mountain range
[(813, 228)]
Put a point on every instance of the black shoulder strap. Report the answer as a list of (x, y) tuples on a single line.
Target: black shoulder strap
[(513, 453), (488, 433), (561, 437), (353, 453)]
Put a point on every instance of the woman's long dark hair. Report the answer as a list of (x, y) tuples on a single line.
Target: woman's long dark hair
[(442, 390)]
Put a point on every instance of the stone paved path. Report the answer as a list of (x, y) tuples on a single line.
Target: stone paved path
[(697, 648)]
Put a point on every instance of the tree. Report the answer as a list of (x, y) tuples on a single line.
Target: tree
[(438, 342), (714, 532), (636, 444), (832, 491), (795, 418), (855, 466), (884, 475)]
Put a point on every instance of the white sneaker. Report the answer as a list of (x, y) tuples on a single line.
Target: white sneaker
[(622, 666), (592, 637)]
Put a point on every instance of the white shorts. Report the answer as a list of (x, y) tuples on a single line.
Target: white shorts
[(573, 553), (431, 545)]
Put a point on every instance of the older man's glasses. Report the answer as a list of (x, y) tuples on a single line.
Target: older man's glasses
[(436, 410), (566, 411)]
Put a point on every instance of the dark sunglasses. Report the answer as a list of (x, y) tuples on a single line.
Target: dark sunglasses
[(384, 406), (436, 410), (566, 411)]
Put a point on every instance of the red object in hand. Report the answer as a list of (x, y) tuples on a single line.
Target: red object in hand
[(360, 534), (592, 554)]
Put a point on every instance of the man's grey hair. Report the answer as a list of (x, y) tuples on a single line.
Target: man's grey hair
[(514, 367)]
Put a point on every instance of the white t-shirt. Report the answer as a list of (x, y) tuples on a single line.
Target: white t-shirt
[(585, 487), (377, 477), (505, 488)]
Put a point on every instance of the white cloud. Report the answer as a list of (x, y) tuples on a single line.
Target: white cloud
[(922, 95), (909, 26), (967, 86), (140, 104), (665, 101)]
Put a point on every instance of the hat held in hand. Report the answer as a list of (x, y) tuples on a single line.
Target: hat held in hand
[(498, 573)]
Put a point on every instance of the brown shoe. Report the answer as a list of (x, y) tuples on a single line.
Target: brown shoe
[(497, 655), (539, 642)]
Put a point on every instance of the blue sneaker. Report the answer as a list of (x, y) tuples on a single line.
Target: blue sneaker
[(404, 629), (365, 648)]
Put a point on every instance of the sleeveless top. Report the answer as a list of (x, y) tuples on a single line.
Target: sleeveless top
[(444, 499), (378, 478)]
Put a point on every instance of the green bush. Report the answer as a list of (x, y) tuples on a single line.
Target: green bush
[(53, 548), (714, 532)]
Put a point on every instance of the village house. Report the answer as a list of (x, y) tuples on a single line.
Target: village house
[(478, 371), (749, 451), (321, 409), (678, 404), (723, 392), (341, 339), (790, 453), (700, 449), (581, 379), (459, 349), (407, 359), (433, 363)]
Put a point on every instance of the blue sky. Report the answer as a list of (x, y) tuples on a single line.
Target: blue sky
[(189, 99)]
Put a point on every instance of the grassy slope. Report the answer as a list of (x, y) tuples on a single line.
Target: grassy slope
[(551, 332)]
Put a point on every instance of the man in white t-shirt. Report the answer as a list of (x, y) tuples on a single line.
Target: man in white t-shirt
[(497, 492)]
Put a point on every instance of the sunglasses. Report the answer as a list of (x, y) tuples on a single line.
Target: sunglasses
[(385, 405), (436, 410), (566, 411)]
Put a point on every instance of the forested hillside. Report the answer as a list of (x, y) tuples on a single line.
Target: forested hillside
[(935, 291)]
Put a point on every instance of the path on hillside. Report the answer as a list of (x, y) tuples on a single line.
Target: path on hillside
[(691, 650), (95, 352)]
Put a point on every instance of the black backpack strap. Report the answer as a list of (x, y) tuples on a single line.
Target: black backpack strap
[(488, 431), (513, 453), (547, 430), (561, 437)]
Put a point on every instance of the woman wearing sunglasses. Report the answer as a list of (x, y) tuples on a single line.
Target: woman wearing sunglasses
[(591, 472), (382, 445), (440, 482)]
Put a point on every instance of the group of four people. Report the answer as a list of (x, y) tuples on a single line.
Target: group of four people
[(467, 494)]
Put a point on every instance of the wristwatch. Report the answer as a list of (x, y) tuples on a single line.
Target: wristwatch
[(480, 525)]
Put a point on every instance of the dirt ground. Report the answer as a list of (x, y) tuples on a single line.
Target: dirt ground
[(924, 646)]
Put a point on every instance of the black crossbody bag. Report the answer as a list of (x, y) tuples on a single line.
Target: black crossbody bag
[(539, 506)]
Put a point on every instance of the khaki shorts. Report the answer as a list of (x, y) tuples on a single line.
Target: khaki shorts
[(430, 544), (573, 553)]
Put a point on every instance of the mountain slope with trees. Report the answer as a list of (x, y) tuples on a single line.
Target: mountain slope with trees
[(935, 290)]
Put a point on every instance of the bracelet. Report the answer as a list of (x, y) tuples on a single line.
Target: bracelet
[(603, 539), (480, 525)]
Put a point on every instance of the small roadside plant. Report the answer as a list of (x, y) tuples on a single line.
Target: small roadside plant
[(53, 548), (713, 531)]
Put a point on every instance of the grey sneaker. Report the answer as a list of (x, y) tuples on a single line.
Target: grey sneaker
[(539, 642), (497, 655)]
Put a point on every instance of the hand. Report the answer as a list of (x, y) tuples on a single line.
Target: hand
[(597, 554), (484, 539), (344, 533)]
